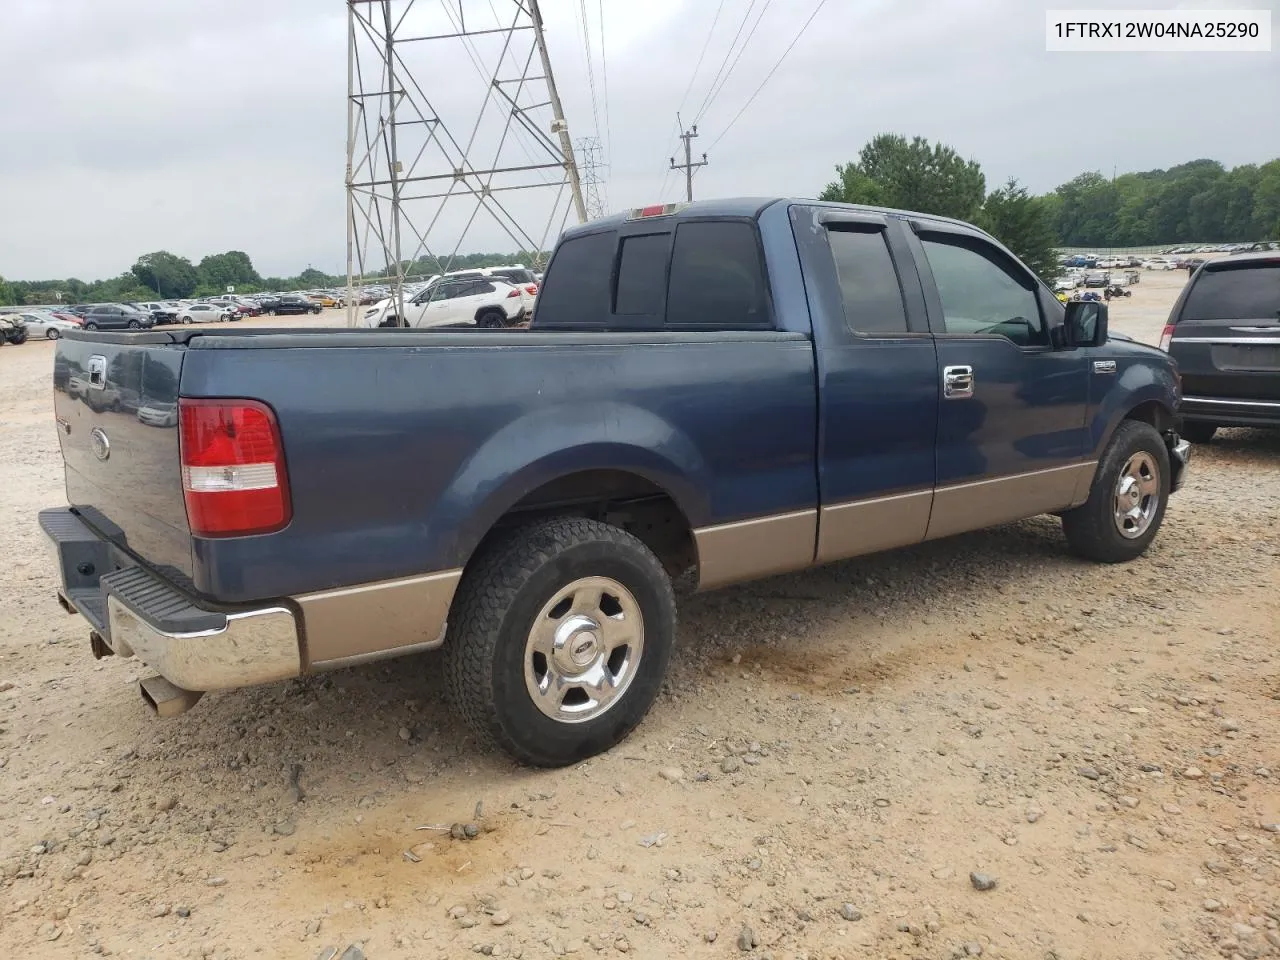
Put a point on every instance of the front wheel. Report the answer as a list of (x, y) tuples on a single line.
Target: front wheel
[(1197, 431), (1127, 502), (134, 325), (559, 640), (52, 333), (271, 313), (91, 326)]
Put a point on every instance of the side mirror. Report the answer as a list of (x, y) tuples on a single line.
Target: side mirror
[(1086, 323)]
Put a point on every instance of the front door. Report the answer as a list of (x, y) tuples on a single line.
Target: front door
[(1011, 408)]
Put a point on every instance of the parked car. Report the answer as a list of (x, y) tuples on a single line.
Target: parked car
[(324, 299), (115, 316), (13, 329), (1097, 278), (160, 312), (691, 372), (47, 325), (1158, 263), (290, 303), (450, 300), (1224, 332), (206, 313)]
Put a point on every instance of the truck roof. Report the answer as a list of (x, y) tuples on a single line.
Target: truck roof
[(754, 207)]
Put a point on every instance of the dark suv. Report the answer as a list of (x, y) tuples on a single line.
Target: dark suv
[(292, 303), (115, 316), (1224, 333)]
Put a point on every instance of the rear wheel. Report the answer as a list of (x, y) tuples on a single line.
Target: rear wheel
[(560, 638), (1197, 431), (491, 319), (1127, 501), (91, 326)]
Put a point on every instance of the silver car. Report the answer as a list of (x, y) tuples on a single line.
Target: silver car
[(47, 325)]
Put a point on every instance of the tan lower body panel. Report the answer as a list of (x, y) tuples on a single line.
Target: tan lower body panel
[(734, 552), (985, 503), (374, 620), (867, 526)]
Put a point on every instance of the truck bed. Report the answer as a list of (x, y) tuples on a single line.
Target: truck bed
[(399, 460)]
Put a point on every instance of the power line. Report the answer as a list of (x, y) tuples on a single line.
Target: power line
[(698, 66), (591, 69), (728, 73), (725, 62), (769, 75), (604, 70)]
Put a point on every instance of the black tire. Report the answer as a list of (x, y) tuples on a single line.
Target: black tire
[(502, 594), (491, 319), (271, 313), (1092, 529), (134, 325), (91, 326), (52, 333), (20, 338), (1197, 431)]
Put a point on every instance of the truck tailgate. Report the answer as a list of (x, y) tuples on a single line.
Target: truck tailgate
[(116, 403)]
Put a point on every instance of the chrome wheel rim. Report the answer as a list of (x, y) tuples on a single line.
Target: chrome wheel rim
[(1137, 495), (583, 650)]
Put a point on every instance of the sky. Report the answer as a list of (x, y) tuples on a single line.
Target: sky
[(133, 125)]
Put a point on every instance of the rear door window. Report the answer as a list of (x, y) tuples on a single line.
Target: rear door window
[(1235, 293), (717, 278), (575, 291), (868, 282)]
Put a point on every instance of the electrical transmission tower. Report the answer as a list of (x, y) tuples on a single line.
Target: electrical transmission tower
[(454, 124), (589, 154), (689, 164)]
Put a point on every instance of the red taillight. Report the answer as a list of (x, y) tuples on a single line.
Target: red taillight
[(233, 473), (513, 293), (531, 289), (1166, 336)]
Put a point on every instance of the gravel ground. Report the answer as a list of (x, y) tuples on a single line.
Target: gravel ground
[(976, 747)]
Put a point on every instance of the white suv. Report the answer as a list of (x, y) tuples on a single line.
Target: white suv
[(467, 298)]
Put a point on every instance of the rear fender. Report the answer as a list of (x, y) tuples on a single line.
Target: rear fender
[(546, 445)]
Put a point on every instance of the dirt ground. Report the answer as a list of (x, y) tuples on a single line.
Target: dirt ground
[(835, 754)]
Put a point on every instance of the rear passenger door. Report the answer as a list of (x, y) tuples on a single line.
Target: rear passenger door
[(1011, 408), (877, 382)]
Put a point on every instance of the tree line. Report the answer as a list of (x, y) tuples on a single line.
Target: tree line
[(1200, 201), (162, 275)]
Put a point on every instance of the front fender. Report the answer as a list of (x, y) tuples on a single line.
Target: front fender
[(548, 444), (1137, 382)]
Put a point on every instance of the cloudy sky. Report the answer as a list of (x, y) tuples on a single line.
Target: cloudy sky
[(136, 125)]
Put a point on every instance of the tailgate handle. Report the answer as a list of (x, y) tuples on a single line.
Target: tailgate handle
[(97, 371)]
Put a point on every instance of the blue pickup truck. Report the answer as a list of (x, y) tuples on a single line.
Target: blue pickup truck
[(724, 391)]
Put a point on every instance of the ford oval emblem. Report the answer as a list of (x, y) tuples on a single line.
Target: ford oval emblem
[(101, 445)]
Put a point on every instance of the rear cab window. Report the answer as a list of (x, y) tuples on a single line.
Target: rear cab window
[(704, 275)]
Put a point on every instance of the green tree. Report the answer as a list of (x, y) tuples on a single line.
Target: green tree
[(311, 277), (911, 175), (1024, 224), (1266, 202), (7, 296), (168, 275), (233, 268)]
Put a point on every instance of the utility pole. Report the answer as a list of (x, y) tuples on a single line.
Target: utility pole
[(689, 164)]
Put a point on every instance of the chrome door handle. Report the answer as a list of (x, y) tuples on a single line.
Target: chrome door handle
[(957, 382)]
